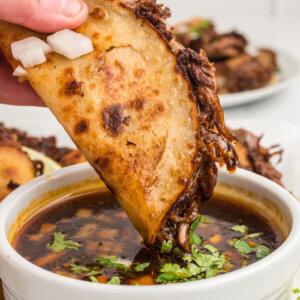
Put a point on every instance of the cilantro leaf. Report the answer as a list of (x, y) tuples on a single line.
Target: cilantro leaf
[(296, 291), (251, 236), (212, 273), (77, 269), (167, 278), (141, 267), (94, 279), (211, 249), (243, 247), (206, 261), (93, 272), (194, 239), (110, 262), (240, 228), (206, 220), (166, 246), (262, 251), (177, 252), (115, 280), (59, 243), (174, 269), (195, 223), (199, 30), (173, 272)]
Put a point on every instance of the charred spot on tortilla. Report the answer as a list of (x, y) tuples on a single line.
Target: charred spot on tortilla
[(102, 163), (129, 143), (98, 13), (138, 104), (70, 84), (81, 127), (12, 185), (126, 120), (113, 119), (73, 88), (139, 73)]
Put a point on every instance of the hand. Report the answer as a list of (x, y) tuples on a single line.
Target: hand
[(42, 16)]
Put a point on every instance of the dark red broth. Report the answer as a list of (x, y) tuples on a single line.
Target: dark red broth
[(100, 226)]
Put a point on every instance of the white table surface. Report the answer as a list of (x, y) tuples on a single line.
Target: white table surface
[(284, 34)]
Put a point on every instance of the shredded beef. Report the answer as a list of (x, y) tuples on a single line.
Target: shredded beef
[(45, 145), (259, 157), (155, 14)]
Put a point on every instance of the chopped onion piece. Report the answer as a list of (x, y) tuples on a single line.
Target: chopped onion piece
[(20, 47), (32, 57), (19, 71), (70, 44)]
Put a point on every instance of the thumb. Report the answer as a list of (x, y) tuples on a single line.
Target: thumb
[(44, 15)]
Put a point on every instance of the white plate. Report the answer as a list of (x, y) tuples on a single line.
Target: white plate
[(289, 72)]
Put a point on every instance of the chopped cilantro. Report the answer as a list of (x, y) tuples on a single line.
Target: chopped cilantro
[(207, 261), (251, 236), (296, 291), (243, 247), (173, 272), (240, 228), (59, 243), (94, 279), (199, 30), (141, 267), (212, 272), (167, 278), (115, 280), (206, 220), (166, 246), (211, 248), (93, 272), (194, 239), (262, 251), (110, 262), (77, 269), (177, 252)]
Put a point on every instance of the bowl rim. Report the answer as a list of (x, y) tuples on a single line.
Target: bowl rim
[(267, 263)]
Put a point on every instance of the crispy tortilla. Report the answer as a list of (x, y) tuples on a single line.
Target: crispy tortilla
[(140, 107)]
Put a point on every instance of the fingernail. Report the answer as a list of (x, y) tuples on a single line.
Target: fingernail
[(71, 8)]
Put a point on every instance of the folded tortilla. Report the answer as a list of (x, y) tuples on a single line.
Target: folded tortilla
[(141, 108)]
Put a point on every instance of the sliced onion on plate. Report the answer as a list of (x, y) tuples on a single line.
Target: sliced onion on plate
[(19, 71), (19, 47), (32, 57), (70, 44)]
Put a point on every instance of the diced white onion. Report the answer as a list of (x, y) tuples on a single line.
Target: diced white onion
[(70, 44), (20, 47), (124, 261), (19, 71), (32, 57)]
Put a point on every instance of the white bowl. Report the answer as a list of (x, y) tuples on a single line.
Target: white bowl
[(269, 278)]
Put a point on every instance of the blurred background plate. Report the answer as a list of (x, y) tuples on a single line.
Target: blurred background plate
[(288, 74)]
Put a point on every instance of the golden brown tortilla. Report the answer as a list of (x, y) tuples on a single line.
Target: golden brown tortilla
[(135, 108)]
